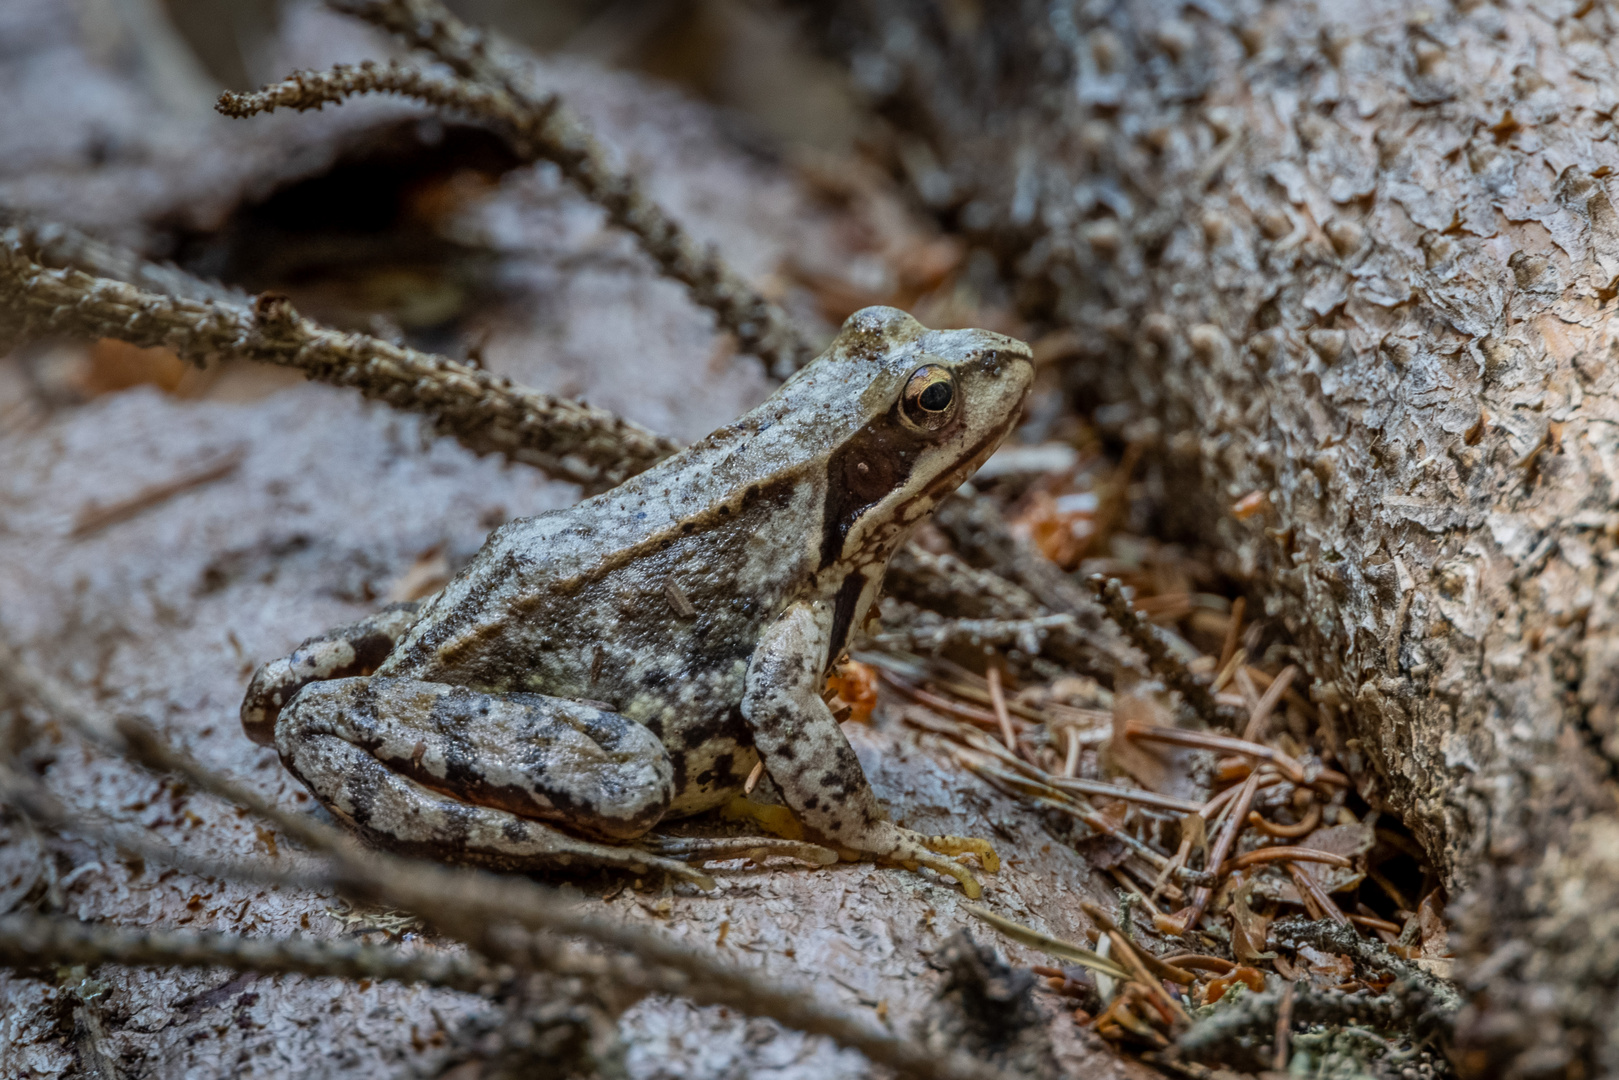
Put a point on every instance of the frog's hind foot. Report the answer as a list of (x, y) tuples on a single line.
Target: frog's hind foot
[(356, 649), (916, 849), (720, 848)]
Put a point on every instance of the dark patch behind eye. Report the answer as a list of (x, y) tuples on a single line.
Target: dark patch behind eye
[(888, 455)]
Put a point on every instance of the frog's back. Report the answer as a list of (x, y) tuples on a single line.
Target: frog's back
[(648, 597)]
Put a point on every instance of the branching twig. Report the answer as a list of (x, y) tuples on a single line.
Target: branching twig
[(946, 584), (495, 88), (1163, 663), (486, 413), (1026, 634), (33, 940), (58, 245)]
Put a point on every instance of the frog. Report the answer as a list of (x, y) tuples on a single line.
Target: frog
[(659, 650)]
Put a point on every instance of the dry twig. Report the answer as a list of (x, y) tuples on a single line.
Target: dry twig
[(32, 940), (486, 413), (1162, 662), (61, 246)]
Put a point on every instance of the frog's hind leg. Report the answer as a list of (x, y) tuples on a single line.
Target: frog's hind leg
[(452, 773), (356, 649), (718, 848)]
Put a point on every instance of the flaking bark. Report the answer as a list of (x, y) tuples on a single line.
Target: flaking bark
[(1355, 271)]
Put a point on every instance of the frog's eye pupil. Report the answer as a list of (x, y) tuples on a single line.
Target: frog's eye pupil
[(929, 398)]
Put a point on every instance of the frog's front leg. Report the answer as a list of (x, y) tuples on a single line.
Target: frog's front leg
[(812, 763), (453, 773)]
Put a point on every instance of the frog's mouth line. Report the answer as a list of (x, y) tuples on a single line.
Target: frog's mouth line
[(947, 482)]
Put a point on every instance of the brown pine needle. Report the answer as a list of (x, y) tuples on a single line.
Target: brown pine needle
[(1263, 855), (1070, 763), (1115, 791), (1207, 740), (1159, 969), (1284, 1028), (998, 701), (1056, 946), (1233, 633), (1312, 818), (1256, 719), (1315, 896), (1222, 847)]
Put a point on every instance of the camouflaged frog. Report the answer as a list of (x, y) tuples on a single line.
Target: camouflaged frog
[(631, 659)]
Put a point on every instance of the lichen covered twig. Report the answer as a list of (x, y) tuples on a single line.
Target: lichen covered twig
[(492, 89), (1143, 635), (486, 413), (57, 245)]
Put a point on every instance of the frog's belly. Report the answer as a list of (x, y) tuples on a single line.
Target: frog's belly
[(714, 775)]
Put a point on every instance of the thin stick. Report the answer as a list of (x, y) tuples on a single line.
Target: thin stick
[(1256, 719), (1070, 763), (54, 244), (977, 633), (1233, 632), (998, 700), (28, 940)]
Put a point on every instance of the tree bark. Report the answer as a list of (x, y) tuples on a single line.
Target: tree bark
[(1354, 273)]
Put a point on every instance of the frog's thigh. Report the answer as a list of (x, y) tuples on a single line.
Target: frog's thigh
[(397, 813), (814, 767), (521, 754), (356, 649)]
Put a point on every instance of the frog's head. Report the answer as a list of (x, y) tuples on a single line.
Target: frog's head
[(907, 414)]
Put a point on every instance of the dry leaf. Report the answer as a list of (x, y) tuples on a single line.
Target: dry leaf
[(1249, 929), (1350, 841)]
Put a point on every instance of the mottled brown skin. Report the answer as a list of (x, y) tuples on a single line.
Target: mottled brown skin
[(632, 658)]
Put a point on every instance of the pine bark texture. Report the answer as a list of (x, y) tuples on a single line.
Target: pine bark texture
[(1352, 268)]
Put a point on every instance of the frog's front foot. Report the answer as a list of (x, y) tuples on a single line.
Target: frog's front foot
[(913, 849)]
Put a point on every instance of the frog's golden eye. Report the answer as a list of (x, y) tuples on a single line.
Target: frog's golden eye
[(929, 400)]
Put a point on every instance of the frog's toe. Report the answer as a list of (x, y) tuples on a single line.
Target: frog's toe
[(708, 849), (966, 845), (915, 849), (950, 868)]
